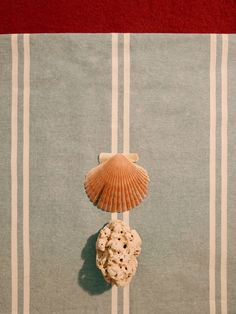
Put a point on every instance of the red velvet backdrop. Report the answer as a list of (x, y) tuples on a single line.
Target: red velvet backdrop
[(160, 16)]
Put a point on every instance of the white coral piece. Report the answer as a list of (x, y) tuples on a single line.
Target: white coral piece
[(117, 250)]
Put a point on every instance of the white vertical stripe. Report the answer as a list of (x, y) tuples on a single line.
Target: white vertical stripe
[(126, 118), (126, 300), (126, 139), (114, 299), (224, 174), (26, 244), (114, 114), (14, 115), (126, 92), (114, 139), (212, 175)]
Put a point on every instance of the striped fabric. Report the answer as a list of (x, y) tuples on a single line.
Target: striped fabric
[(64, 98)]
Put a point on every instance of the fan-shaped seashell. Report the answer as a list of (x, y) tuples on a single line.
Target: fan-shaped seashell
[(117, 184)]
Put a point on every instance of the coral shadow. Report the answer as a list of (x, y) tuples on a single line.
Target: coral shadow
[(90, 277)]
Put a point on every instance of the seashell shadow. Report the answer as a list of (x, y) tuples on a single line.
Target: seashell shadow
[(90, 277)]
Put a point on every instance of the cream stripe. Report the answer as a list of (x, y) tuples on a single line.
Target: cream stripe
[(26, 244), (14, 114), (224, 170), (126, 91), (126, 117), (114, 114), (126, 300), (114, 139), (212, 218), (114, 128), (126, 139), (114, 299)]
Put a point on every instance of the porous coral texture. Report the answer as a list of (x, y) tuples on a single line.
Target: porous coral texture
[(117, 249)]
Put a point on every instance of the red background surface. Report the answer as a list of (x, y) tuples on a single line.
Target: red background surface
[(140, 16)]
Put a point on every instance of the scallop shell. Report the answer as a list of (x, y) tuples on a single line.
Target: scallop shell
[(117, 184)]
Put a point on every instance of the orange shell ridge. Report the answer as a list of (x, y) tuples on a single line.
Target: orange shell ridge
[(117, 185)]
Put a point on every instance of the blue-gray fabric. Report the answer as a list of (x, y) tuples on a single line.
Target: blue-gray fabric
[(70, 124)]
